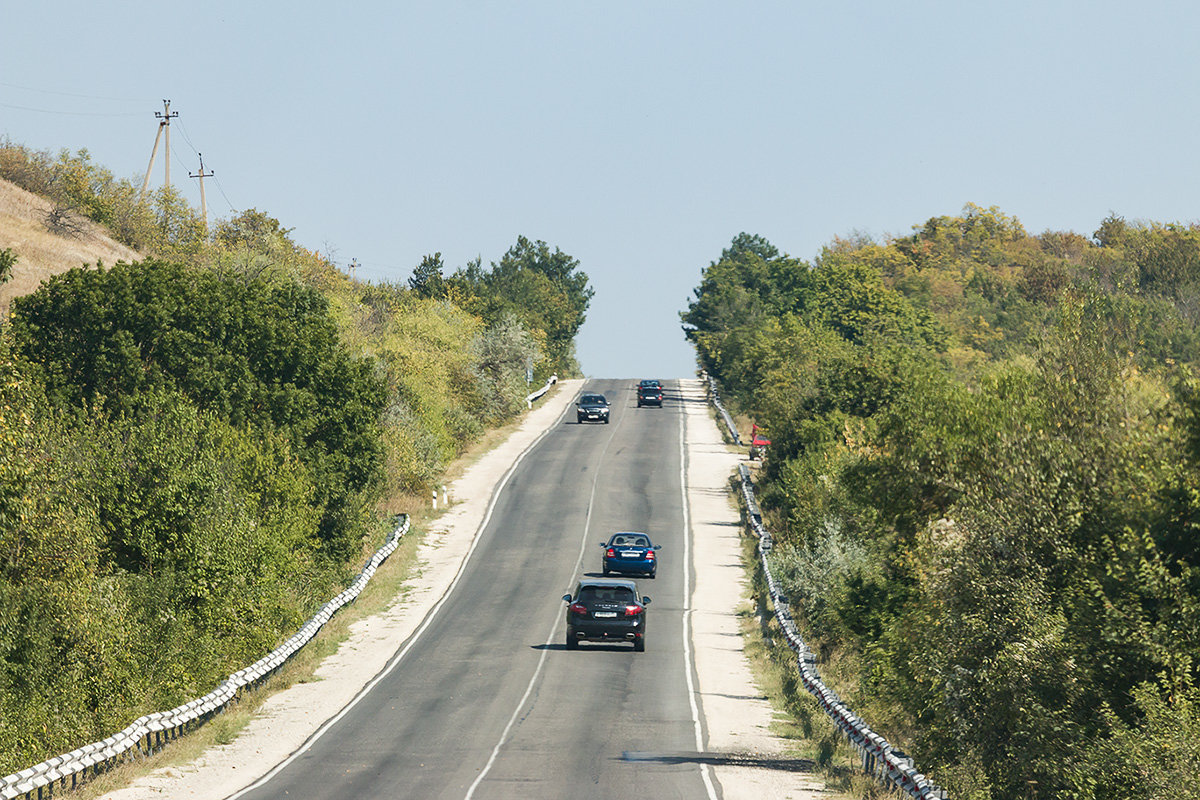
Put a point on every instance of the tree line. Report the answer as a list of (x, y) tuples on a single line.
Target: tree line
[(197, 449), (984, 479)]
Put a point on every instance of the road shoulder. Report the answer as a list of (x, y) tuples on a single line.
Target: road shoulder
[(736, 714)]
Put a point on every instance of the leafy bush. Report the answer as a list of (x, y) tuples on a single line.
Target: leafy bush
[(259, 356)]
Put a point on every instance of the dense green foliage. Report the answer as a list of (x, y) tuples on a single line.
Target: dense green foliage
[(256, 356), (984, 481), (542, 289), (195, 450), (144, 554)]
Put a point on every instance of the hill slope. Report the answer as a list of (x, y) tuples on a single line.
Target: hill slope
[(41, 253)]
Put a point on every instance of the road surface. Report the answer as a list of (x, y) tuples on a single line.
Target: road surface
[(486, 702)]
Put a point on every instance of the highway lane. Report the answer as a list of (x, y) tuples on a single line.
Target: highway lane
[(487, 702)]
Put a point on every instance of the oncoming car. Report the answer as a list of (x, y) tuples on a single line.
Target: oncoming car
[(606, 610), (630, 552), (592, 407)]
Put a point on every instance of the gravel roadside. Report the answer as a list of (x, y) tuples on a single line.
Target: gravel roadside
[(738, 717)]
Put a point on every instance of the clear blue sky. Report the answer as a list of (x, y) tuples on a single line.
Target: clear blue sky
[(640, 138)]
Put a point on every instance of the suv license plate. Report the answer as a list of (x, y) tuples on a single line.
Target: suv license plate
[(605, 614)]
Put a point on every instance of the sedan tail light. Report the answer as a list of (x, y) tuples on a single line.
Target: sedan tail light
[(650, 555)]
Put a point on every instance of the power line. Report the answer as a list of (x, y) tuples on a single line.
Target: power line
[(187, 138), (76, 94), (73, 113), (221, 189)]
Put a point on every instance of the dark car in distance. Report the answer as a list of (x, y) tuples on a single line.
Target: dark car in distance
[(649, 393), (592, 407), (606, 610), (629, 552)]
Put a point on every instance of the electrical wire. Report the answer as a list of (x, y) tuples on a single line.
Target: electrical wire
[(76, 94), (186, 138), (74, 113), (221, 189)]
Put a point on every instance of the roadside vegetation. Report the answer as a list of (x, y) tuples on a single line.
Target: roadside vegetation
[(196, 450), (983, 484)]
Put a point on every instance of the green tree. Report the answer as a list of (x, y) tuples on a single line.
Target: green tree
[(543, 289), (258, 355), (427, 279)]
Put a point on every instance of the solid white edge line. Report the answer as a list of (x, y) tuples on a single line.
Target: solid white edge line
[(689, 663), (587, 526), (433, 612)]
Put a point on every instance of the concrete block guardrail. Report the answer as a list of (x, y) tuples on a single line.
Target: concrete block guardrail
[(879, 758), (151, 732)]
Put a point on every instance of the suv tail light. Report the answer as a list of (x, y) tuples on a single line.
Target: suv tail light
[(578, 608), (632, 610)]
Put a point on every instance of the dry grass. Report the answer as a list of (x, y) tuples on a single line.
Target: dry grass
[(40, 253)]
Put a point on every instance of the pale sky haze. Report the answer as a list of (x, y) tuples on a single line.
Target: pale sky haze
[(640, 138)]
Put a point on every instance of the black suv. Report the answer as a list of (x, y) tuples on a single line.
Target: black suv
[(592, 406), (606, 610), (650, 393)]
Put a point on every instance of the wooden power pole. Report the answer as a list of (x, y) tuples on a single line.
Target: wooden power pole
[(163, 125), (202, 175)]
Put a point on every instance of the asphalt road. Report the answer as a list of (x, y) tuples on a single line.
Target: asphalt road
[(487, 702)]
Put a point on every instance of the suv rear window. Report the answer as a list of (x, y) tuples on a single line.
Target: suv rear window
[(606, 594)]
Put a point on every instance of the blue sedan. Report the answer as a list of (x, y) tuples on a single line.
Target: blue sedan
[(630, 552)]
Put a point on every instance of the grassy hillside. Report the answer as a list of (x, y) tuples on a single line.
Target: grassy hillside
[(42, 253)]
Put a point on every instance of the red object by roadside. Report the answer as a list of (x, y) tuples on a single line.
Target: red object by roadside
[(758, 444)]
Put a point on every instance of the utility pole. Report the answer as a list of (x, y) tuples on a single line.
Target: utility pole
[(164, 124), (353, 269), (202, 175)]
